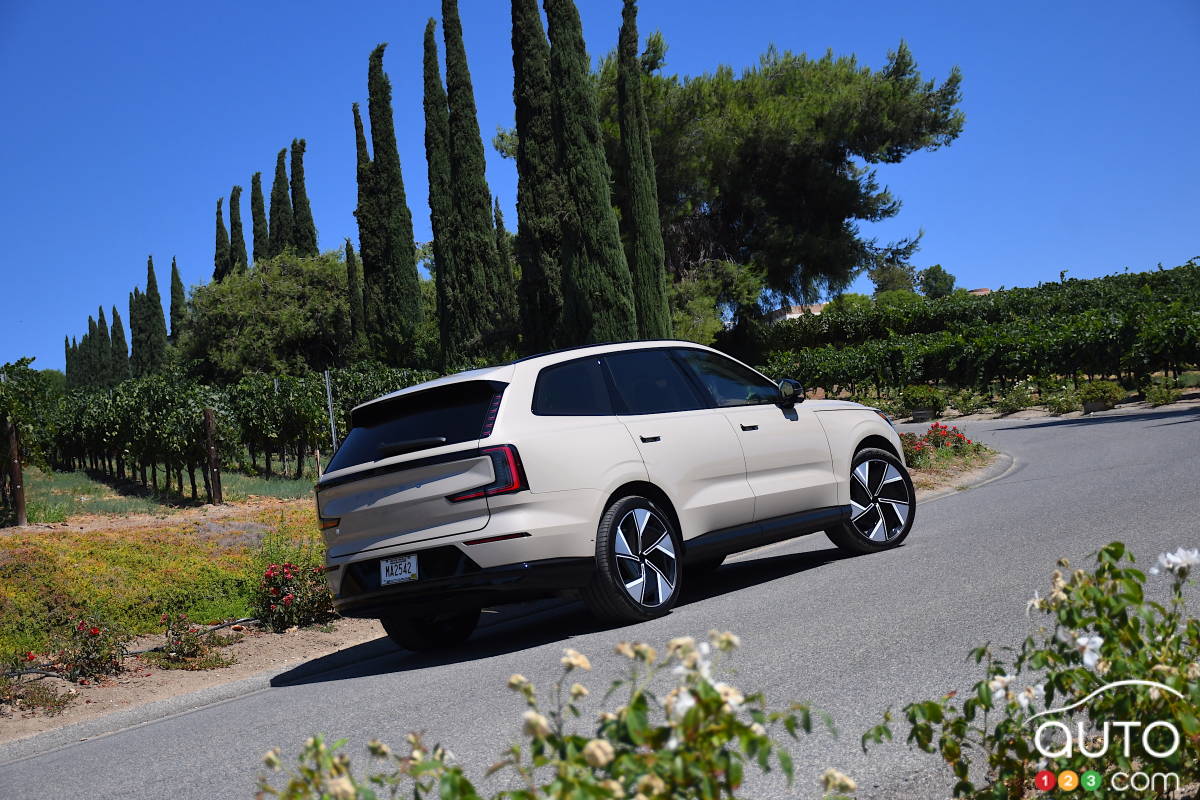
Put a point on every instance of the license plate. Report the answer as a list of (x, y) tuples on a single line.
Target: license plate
[(397, 570)]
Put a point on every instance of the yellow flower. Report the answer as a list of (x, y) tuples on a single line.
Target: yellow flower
[(645, 652), (341, 788), (680, 645), (607, 716), (730, 694), (517, 682), (378, 749), (573, 659), (1193, 671), (536, 725), (578, 690), (835, 781), (757, 729), (724, 640), (651, 785), (624, 649), (598, 753), (614, 787), (271, 759)]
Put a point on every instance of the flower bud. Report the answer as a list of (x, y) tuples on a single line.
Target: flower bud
[(598, 753)]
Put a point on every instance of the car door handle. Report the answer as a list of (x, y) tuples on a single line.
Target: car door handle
[(648, 439), (749, 427)]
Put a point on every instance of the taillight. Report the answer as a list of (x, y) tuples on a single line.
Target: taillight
[(330, 522), (489, 420), (510, 475)]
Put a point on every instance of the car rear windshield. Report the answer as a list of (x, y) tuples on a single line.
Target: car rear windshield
[(419, 421)]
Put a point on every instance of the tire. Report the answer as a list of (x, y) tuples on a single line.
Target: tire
[(882, 504), (638, 569), (439, 632)]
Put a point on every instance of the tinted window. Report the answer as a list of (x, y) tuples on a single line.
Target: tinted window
[(650, 382), (417, 421), (573, 389), (729, 383)]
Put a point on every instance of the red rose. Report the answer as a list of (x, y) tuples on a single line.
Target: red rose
[(94, 631), (274, 591), (80, 626), (273, 606), (287, 599), (30, 656)]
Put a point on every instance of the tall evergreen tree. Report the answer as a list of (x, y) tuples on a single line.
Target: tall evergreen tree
[(155, 323), (90, 371), (472, 237), (596, 281), (304, 230), (237, 240), (354, 284), (391, 285), (67, 361), (178, 300), (120, 349), (221, 256), (104, 361), (258, 219), (643, 232), (455, 328), (136, 334), (507, 314), (541, 191), (279, 236)]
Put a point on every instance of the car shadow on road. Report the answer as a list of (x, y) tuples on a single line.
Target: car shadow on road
[(1179, 417), (510, 629)]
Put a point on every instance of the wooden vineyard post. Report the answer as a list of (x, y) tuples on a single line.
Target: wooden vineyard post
[(15, 474), (214, 465)]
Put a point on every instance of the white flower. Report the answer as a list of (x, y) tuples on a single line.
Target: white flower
[(1030, 695), (1089, 648), (535, 725), (677, 702), (730, 694), (1065, 636), (1033, 604), (598, 753), (835, 781), (999, 688), (573, 659), (1178, 562)]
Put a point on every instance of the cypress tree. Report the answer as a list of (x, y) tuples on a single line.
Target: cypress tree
[(136, 334), (258, 218), (155, 323), (91, 371), (541, 192), (391, 285), (455, 328), (354, 283), (596, 282), (237, 240), (643, 233), (508, 318), (178, 301), (279, 236), (104, 361), (304, 230), (67, 361), (120, 350), (472, 238), (221, 256)]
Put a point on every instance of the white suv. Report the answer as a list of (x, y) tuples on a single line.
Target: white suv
[(612, 471)]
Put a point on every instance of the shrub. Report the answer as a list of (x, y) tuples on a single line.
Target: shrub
[(708, 732), (1099, 629), (1015, 399), (915, 397), (1107, 392), (1062, 402), (91, 648), (292, 590), (187, 646), (1161, 394), (967, 402), (919, 451)]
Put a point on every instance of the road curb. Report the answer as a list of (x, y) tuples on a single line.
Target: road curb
[(1002, 466)]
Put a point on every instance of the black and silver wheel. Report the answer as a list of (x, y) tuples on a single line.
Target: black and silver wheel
[(432, 632), (882, 504), (638, 569)]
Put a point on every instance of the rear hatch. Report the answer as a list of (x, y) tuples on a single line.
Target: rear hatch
[(404, 457)]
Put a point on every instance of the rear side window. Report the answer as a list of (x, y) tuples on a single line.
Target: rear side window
[(650, 382), (573, 389), (729, 383), (419, 421)]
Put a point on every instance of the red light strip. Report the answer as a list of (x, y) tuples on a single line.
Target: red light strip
[(497, 538)]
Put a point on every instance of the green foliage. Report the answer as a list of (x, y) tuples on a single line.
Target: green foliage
[(1162, 393), (508, 316), (186, 646), (150, 342), (90, 648), (921, 396), (355, 294), (938, 444), (541, 188), (1107, 392), (848, 303), (258, 216), (1099, 627), (222, 257), (178, 302), (708, 734), (703, 298), (103, 345), (643, 234), (237, 243), (279, 236), (597, 288), (967, 401), (1061, 402), (1017, 398), (293, 593), (304, 229), (935, 282)]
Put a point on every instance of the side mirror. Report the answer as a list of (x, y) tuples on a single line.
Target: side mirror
[(790, 393)]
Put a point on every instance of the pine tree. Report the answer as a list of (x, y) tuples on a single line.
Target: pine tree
[(472, 238), (221, 262), (120, 349), (597, 287), (391, 285), (104, 376), (178, 301), (304, 230), (643, 232), (279, 237), (508, 317), (258, 218), (237, 241), (455, 329), (541, 191), (354, 283), (155, 331)]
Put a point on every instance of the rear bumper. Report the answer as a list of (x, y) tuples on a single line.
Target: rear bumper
[(466, 586)]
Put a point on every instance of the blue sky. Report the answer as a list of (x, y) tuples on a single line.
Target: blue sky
[(125, 122)]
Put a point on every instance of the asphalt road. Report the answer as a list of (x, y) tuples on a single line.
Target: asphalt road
[(852, 636)]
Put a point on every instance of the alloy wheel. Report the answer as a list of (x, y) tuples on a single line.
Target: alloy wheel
[(879, 500), (646, 558)]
